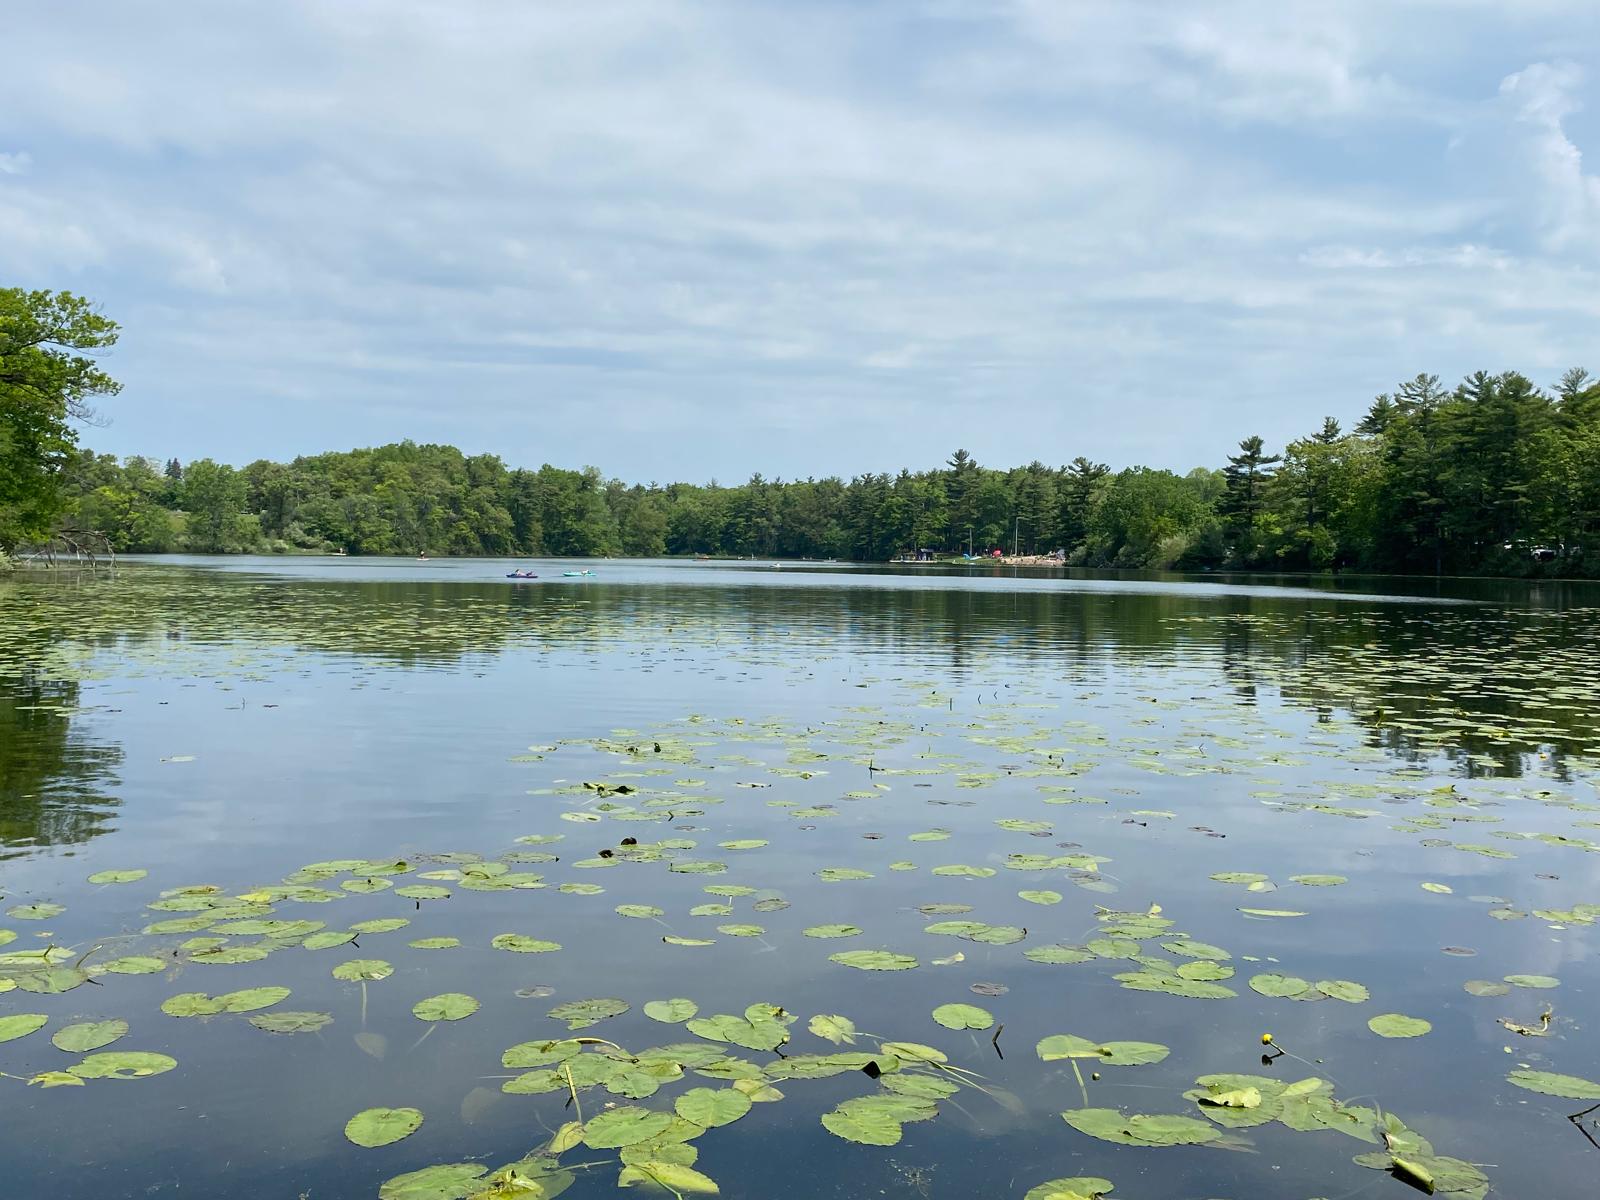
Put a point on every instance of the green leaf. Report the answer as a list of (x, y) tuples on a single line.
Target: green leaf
[(1318, 880), (191, 1004), (21, 1025), (435, 943), (1244, 877), (1116, 1054), (1041, 897), (711, 1107), (867, 1126), (1057, 954), (252, 999), (1533, 981), (1078, 1188), (362, 969), (963, 1016), (124, 1064), (839, 874), (292, 1022), (381, 925), (676, 1177), (375, 1127), (118, 876), (522, 944), (35, 912), (838, 1030), (1343, 989), (1397, 1025), (1486, 987), (831, 931), (52, 981), (580, 1014), (670, 1011), (1285, 986), (1138, 1130), (449, 1006), (642, 911), (447, 1181), (874, 960), (624, 1127), (134, 964), (91, 1035), (1551, 1084)]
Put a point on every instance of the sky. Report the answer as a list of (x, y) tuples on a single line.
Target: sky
[(700, 240)]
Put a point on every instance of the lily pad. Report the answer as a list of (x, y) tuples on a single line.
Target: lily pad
[(118, 876), (580, 1014), (21, 1025), (363, 969), (963, 1016), (448, 1006), (866, 1126), (447, 1181), (35, 912), (123, 1064), (522, 944), (375, 1127), (874, 960), (1533, 981), (1041, 896), (134, 964), (90, 1035), (1551, 1084), (1397, 1025), (1284, 986), (292, 1022), (1141, 1130), (1080, 1187), (831, 931), (670, 1011), (626, 1126), (711, 1107)]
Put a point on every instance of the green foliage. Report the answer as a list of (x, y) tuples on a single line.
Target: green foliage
[(48, 376), (1495, 477)]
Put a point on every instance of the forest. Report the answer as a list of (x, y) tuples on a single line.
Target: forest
[(1494, 476)]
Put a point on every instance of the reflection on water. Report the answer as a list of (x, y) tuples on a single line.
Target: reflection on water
[(55, 783), (732, 759)]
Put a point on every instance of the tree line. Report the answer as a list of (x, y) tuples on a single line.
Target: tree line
[(1495, 476)]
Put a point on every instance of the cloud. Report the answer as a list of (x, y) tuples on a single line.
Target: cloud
[(1542, 97), (651, 235), (15, 164)]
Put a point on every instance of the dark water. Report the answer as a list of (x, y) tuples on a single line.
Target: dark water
[(229, 726)]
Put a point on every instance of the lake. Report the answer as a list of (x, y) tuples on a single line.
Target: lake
[(811, 881)]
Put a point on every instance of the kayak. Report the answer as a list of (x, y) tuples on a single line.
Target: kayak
[(516, 576), (575, 574)]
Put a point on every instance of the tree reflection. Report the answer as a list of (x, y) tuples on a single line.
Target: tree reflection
[(53, 779)]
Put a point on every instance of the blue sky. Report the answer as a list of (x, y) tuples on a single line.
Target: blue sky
[(684, 241)]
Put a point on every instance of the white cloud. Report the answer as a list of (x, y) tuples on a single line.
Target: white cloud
[(642, 233), (1543, 96), (15, 164)]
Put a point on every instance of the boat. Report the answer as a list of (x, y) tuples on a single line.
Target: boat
[(521, 575), (575, 574)]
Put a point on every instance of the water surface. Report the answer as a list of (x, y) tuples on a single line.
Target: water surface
[(228, 722)]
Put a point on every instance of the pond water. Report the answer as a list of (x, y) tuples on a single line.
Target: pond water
[(1140, 820)]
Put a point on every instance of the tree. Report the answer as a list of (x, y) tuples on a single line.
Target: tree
[(1246, 477), (48, 376), (214, 497)]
